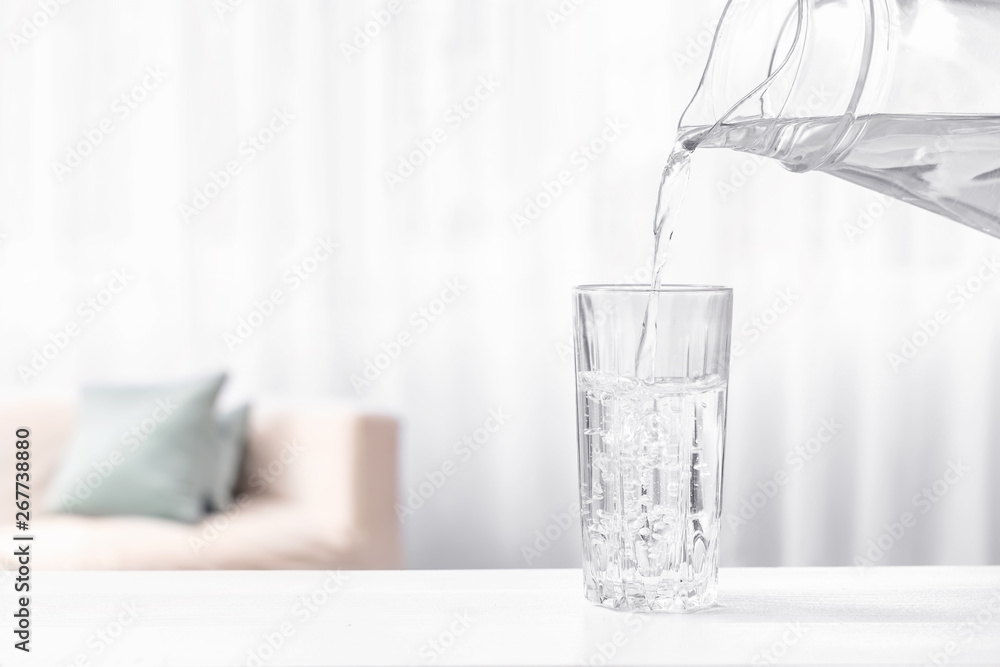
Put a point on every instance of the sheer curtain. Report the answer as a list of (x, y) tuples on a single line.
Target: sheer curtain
[(388, 203)]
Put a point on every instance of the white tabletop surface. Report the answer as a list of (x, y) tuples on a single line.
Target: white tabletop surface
[(505, 617)]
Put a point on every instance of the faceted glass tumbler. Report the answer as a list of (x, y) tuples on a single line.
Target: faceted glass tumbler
[(651, 443)]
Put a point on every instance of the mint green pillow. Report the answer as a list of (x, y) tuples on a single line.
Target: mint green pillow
[(230, 446), (140, 451)]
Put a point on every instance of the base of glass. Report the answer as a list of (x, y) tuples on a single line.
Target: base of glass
[(666, 597)]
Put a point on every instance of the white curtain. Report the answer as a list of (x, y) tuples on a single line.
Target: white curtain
[(469, 306)]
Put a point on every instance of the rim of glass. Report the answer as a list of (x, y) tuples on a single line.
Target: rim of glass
[(640, 288)]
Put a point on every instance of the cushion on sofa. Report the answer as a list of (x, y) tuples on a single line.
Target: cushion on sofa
[(140, 451), (230, 446)]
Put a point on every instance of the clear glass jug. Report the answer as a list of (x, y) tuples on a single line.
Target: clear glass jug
[(899, 96)]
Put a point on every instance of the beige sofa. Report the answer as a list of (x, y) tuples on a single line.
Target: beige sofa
[(317, 491)]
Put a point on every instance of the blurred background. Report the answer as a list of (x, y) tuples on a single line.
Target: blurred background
[(384, 167)]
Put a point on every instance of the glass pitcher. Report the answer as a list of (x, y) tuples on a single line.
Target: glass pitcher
[(899, 96)]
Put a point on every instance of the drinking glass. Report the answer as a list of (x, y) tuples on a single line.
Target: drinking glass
[(651, 446)]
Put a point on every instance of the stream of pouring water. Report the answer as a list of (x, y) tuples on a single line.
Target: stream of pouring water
[(673, 185)]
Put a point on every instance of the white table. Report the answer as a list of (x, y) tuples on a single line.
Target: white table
[(504, 617)]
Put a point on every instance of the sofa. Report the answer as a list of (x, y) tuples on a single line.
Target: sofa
[(317, 490)]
